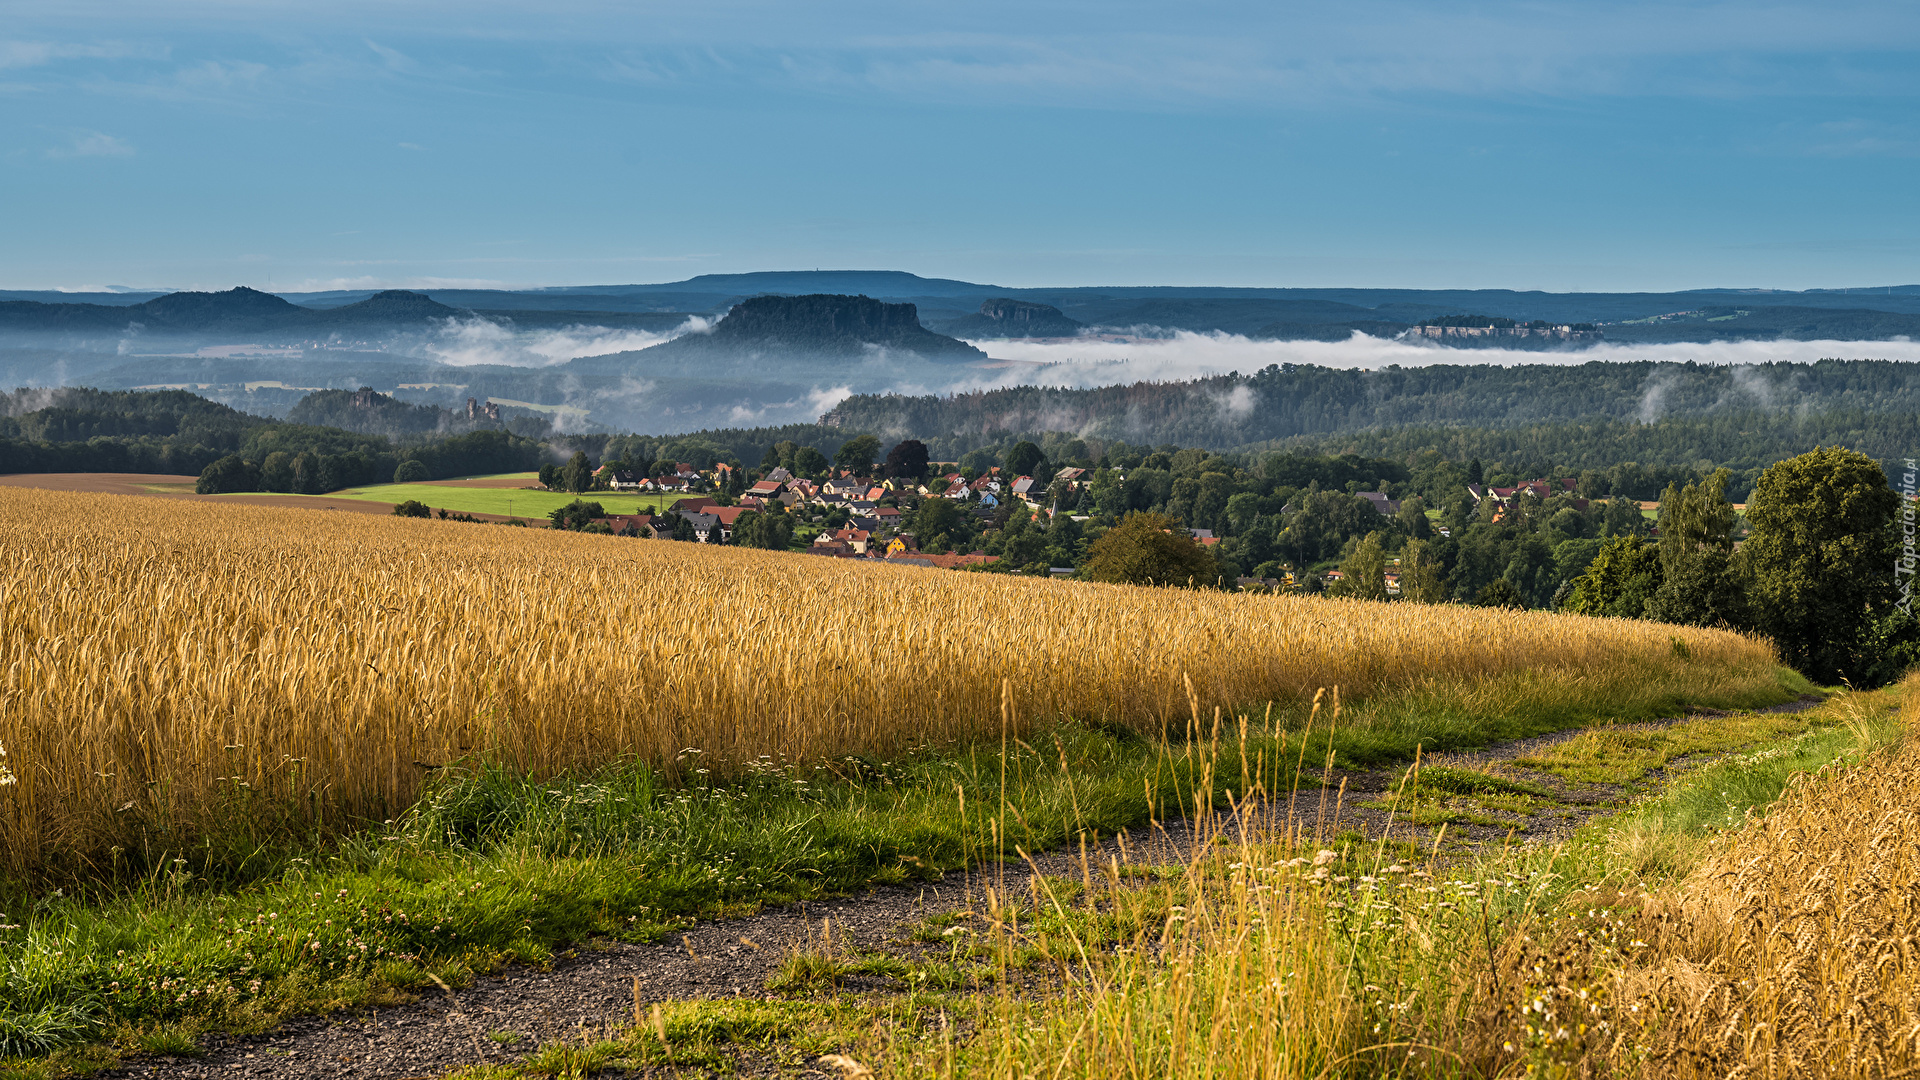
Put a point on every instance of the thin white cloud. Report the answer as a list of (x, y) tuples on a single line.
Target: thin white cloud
[(26, 54), (82, 144), (468, 341)]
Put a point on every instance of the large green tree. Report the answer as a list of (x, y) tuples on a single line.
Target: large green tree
[(1023, 459), (576, 515), (1819, 561), (1619, 581), (908, 458), (858, 453), (1150, 549), (577, 474), (1363, 575), (229, 473), (770, 528), (1698, 586), (1422, 579)]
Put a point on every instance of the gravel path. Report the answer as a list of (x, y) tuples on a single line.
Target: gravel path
[(590, 990)]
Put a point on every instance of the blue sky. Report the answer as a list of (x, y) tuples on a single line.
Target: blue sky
[(1539, 145)]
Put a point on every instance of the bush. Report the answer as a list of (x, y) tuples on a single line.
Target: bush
[(412, 508), (411, 471), (230, 473)]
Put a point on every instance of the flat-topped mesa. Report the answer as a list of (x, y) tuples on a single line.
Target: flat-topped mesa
[(821, 323), (1008, 318)]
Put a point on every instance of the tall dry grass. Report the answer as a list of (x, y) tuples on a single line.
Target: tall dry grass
[(172, 664), (1795, 950)]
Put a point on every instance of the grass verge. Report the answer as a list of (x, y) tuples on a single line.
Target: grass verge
[(491, 868)]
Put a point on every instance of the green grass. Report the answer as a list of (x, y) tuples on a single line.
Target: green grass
[(511, 502), (492, 868), (1665, 836), (1611, 755)]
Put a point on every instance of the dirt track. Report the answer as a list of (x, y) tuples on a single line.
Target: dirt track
[(589, 990)]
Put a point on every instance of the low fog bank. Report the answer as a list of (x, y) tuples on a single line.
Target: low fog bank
[(583, 376), (470, 341), (1184, 355)]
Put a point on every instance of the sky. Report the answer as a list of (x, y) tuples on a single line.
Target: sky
[(1559, 146)]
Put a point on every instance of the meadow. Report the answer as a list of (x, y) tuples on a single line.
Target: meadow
[(526, 501), (211, 710)]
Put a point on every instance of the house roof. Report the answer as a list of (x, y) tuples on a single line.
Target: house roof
[(1387, 507)]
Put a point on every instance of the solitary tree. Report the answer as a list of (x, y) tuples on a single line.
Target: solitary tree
[(908, 458), (229, 473), (1024, 458), (576, 515), (1500, 593), (1364, 575), (411, 471), (413, 508), (1619, 581), (858, 453), (577, 474), (1697, 584), (1422, 579), (1820, 559), (809, 462), (770, 529), (1150, 549)]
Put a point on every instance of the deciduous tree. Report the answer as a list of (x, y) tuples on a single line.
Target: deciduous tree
[(1150, 549), (1819, 561)]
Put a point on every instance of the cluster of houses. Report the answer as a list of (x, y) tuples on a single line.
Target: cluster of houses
[(872, 531)]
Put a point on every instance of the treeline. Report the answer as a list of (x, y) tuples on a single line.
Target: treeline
[(705, 448), (1283, 402), (1744, 441), (294, 459), (82, 430)]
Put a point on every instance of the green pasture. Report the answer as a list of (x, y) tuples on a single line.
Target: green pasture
[(512, 502)]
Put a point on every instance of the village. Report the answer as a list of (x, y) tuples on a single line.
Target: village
[(849, 516)]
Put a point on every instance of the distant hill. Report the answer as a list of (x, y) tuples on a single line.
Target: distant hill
[(1007, 318), (1285, 314), (1274, 313), (819, 325), (1723, 322), (238, 310)]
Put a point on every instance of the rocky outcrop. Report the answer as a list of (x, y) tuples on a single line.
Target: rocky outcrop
[(1006, 318), (820, 324)]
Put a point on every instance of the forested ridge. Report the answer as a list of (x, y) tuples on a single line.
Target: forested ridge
[(1284, 402)]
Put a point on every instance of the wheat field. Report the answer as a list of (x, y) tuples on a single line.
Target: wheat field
[(166, 662)]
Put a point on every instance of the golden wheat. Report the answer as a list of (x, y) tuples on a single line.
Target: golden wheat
[(165, 661), (1792, 952)]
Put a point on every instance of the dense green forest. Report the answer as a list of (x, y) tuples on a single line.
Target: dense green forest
[(172, 431), (1290, 401)]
